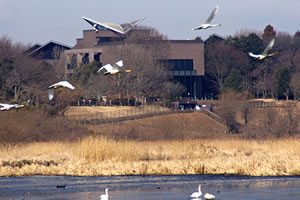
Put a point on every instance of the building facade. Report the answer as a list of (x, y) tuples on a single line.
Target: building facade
[(185, 58)]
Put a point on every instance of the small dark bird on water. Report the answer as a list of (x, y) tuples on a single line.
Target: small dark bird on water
[(61, 186)]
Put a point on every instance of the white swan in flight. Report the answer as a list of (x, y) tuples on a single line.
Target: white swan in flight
[(196, 194), (113, 70), (59, 84), (5, 106), (119, 28), (209, 196), (208, 24), (104, 196), (265, 53)]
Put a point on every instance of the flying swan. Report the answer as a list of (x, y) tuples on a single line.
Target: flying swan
[(265, 53), (118, 28), (208, 24), (5, 106), (60, 84), (115, 69)]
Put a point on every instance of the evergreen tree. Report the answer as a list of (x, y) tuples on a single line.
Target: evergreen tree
[(213, 39), (282, 86), (250, 43), (234, 81), (85, 72)]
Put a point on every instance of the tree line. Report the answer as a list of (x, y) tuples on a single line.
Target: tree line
[(25, 78), (228, 65)]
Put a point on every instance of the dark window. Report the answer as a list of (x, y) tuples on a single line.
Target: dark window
[(179, 64), (48, 54), (85, 59), (97, 57), (183, 72)]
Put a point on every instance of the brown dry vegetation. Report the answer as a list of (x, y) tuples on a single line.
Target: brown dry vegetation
[(164, 127), (96, 112), (184, 143), (101, 156), (23, 126)]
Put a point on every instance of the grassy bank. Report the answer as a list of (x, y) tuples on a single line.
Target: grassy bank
[(101, 156)]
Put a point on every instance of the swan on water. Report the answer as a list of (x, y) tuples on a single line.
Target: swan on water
[(196, 194), (209, 196), (104, 196)]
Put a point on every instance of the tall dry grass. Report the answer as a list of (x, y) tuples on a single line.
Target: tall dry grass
[(102, 156)]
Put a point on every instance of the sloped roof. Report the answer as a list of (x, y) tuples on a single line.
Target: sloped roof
[(31, 49), (34, 50)]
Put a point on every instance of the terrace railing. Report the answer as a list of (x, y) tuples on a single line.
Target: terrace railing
[(124, 114)]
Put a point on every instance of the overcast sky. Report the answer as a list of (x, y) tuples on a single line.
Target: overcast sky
[(38, 21)]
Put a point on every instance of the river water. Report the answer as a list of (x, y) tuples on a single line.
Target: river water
[(150, 187)]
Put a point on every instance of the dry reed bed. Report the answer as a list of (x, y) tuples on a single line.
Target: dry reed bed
[(101, 156)]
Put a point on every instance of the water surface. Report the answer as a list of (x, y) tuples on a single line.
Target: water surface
[(150, 187)]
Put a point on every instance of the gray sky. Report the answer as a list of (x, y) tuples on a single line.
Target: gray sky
[(39, 21)]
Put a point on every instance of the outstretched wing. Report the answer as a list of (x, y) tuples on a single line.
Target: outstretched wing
[(107, 67), (67, 85), (3, 106), (54, 85), (269, 47), (128, 26), (62, 84), (119, 63), (113, 27), (50, 94), (212, 15), (90, 21)]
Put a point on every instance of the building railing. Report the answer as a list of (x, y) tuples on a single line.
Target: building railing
[(124, 114), (261, 104)]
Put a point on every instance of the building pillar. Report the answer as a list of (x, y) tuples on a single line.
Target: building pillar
[(79, 59), (91, 57)]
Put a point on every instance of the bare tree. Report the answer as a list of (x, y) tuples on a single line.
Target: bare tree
[(295, 85), (22, 76), (296, 59), (141, 53), (146, 75), (149, 78), (221, 59), (25, 73), (264, 81), (292, 120), (228, 109), (62, 100), (245, 106)]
